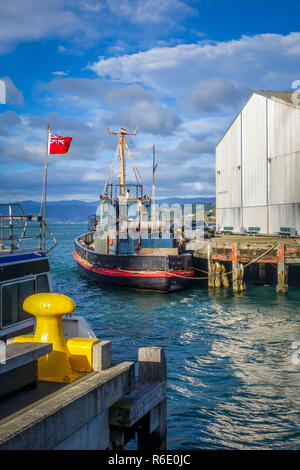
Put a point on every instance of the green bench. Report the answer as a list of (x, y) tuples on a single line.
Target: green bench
[(227, 230), (253, 230), (287, 232)]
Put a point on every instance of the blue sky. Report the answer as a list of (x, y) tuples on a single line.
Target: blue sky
[(178, 69)]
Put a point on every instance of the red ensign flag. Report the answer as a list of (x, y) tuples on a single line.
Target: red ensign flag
[(59, 144)]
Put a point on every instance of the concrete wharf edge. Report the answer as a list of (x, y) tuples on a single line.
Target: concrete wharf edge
[(52, 420)]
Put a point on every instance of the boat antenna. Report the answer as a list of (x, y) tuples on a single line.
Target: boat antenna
[(154, 166), (122, 146)]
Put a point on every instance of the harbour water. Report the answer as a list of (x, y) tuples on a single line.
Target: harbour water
[(233, 377)]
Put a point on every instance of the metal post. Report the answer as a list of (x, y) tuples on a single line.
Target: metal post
[(122, 161), (153, 214), (154, 166), (10, 228), (1, 240), (45, 187)]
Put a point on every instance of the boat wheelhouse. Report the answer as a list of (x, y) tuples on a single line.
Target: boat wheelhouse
[(24, 267), (24, 270)]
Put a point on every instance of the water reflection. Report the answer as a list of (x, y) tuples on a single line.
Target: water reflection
[(248, 375)]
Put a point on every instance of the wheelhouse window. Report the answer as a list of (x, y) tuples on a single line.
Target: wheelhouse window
[(42, 283), (13, 296)]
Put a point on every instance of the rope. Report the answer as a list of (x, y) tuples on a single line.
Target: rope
[(111, 170), (130, 154), (201, 270), (259, 257), (133, 167), (203, 278)]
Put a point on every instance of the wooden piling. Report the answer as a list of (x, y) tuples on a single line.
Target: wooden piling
[(262, 272), (235, 273), (218, 275), (282, 285), (211, 267), (225, 280), (152, 432)]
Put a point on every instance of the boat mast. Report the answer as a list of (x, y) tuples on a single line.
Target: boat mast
[(154, 166), (122, 146)]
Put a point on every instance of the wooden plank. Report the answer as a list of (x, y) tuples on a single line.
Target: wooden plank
[(131, 408), (158, 251), (19, 354), (290, 260)]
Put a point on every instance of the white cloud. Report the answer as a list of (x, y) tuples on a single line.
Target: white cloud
[(174, 70), (151, 118), (82, 22), (59, 73), (213, 95), (33, 19), (94, 176), (150, 11), (13, 95)]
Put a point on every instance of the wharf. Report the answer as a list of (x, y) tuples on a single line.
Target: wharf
[(100, 411), (251, 253)]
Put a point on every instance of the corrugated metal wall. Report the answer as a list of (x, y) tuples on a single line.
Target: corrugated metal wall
[(228, 218), (254, 152), (228, 168), (264, 141)]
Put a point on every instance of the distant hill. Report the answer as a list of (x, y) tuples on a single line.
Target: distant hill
[(77, 212), (58, 212)]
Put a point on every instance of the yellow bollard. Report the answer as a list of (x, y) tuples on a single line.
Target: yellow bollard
[(68, 360)]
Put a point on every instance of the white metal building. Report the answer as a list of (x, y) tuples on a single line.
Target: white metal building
[(258, 166)]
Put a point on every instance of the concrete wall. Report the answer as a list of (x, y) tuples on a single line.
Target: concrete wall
[(93, 436)]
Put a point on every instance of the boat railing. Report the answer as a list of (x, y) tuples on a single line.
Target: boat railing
[(92, 222), (131, 191), (21, 231)]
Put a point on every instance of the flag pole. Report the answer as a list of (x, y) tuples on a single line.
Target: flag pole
[(45, 186)]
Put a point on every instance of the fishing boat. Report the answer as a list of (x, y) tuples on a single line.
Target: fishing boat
[(127, 246)]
